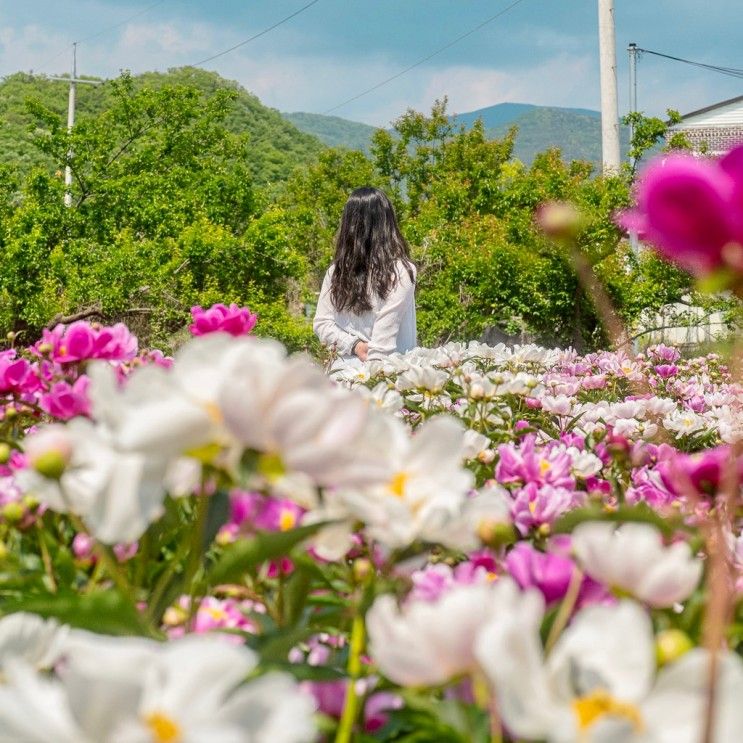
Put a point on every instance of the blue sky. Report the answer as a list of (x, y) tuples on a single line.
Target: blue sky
[(541, 51)]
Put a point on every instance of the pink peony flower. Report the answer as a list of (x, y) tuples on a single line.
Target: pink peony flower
[(65, 400), (219, 318), (703, 471), (82, 341), (534, 506), (691, 210), (528, 464), (17, 376)]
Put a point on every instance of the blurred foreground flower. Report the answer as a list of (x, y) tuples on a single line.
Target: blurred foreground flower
[(598, 683), (691, 210), (141, 691), (431, 642), (633, 559)]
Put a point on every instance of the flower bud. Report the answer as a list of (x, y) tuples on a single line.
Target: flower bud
[(362, 569), (10, 336), (51, 464), (49, 452), (486, 456), (496, 533), (13, 512), (4, 452), (670, 645), (559, 220), (44, 348)]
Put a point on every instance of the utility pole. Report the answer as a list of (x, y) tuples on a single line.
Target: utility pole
[(632, 50), (71, 102), (609, 107)]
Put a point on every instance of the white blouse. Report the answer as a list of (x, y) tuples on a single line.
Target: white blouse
[(388, 327)]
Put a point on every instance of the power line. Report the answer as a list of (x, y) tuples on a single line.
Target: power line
[(426, 58), (731, 71), (104, 30), (121, 23), (256, 36)]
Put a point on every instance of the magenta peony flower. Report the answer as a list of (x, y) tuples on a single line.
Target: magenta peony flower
[(534, 506), (548, 573), (528, 463), (65, 401), (703, 471), (219, 318), (81, 341), (691, 210), (17, 375)]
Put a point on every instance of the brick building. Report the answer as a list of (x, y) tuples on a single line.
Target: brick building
[(717, 127)]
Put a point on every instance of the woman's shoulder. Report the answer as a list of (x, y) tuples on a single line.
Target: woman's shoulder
[(406, 270)]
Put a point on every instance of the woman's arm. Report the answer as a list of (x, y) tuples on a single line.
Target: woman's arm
[(326, 328), (390, 316)]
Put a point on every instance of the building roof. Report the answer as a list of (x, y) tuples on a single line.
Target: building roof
[(707, 109)]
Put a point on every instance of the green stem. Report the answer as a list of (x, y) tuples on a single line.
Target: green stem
[(46, 559), (351, 705), (108, 561), (196, 556), (565, 610)]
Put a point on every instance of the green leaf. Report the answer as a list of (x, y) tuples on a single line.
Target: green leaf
[(106, 612), (245, 554), (217, 515), (296, 591), (640, 513)]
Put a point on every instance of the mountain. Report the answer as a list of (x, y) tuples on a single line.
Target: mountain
[(277, 146), (576, 131), (333, 130), (502, 114)]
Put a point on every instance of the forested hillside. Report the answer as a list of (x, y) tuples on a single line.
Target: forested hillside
[(276, 147), (188, 191), (334, 131), (576, 132)]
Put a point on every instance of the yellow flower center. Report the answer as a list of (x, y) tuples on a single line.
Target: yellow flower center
[(544, 466), (217, 613), (214, 412), (397, 484), (590, 708), (163, 728), (271, 466), (287, 520)]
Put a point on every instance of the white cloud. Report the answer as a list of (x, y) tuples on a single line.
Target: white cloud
[(165, 37), (317, 82)]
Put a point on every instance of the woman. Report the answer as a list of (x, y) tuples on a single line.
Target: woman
[(366, 308)]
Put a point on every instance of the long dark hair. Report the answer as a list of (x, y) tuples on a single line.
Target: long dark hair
[(367, 248)]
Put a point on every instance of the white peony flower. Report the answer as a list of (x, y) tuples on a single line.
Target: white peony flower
[(584, 464), (684, 422), (474, 444), (426, 643), (383, 397), (598, 685), (489, 507), (127, 690), (422, 378), (306, 430), (117, 494), (35, 640), (426, 486), (633, 558)]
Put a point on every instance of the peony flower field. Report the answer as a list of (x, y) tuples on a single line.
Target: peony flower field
[(462, 543)]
